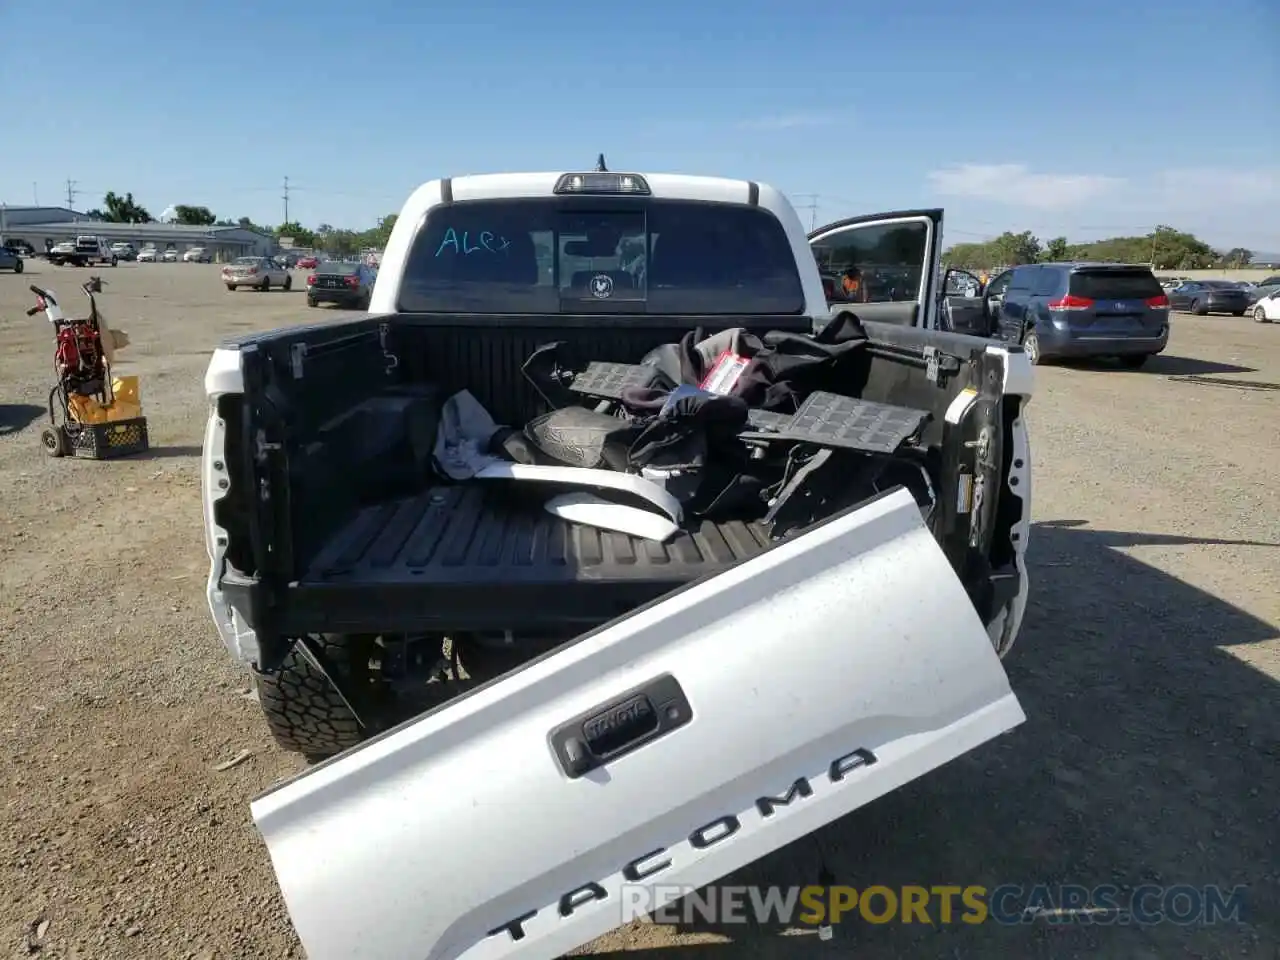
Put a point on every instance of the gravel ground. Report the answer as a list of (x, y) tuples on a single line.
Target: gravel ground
[(1148, 667)]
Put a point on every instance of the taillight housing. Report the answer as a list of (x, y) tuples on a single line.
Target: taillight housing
[(311, 280), (353, 281), (253, 270), (1071, 302), (1159, 302)]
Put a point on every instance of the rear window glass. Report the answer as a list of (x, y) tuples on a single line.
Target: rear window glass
[(1115, 284), (337, 268), (600, 255)]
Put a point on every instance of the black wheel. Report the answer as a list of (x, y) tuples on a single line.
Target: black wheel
[(1260, 315), (305, 712), (1133, 361), (55, 443), (311, 302), (1197, 309), (114, 261), (1031, 345), (231, 287), (288, 282), (18, 267)]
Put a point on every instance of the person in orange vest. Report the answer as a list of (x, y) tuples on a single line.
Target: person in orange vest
[(852, 284)]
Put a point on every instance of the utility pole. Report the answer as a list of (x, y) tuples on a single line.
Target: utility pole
[(35, 193), (286, 199), (71, 194), (811, 206)]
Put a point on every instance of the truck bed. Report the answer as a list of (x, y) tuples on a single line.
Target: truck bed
[(474, 557)]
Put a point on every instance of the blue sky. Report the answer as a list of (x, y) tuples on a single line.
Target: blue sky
[(1079, 118)]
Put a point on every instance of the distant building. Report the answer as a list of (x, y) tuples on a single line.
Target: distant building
[(12, 217), (35, 225)]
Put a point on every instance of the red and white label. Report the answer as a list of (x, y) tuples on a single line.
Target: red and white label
[(724, 373)]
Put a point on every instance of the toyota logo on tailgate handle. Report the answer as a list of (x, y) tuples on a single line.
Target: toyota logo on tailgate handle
[(611, 730)]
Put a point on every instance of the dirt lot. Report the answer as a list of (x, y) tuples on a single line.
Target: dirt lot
[(1148, 667)]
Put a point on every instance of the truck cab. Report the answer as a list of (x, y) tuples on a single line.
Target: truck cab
[(612, 509)]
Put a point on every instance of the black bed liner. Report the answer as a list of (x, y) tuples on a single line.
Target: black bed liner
[(463, 555)]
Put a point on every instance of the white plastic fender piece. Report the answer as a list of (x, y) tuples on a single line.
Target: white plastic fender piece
[(734, 716), (593, 511), (586, 477)]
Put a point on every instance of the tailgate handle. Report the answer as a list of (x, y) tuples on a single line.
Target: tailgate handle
[(611, 730)]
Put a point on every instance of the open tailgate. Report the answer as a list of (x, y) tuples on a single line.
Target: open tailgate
[(739, 714)]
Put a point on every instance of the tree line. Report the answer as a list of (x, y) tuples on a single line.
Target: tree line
[(118, 208), (1165, 248)]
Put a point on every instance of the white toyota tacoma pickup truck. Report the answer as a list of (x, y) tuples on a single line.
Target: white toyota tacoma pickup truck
[(621, 542)]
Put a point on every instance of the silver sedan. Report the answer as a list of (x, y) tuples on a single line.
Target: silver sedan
[(261, 273)]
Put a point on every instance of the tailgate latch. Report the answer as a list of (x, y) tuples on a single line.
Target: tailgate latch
[(611, 730), (939, 366)]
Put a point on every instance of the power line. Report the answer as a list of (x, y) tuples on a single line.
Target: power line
[(811, 206)]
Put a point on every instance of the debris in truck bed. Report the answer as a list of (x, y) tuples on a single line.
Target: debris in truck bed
[(462, 440)]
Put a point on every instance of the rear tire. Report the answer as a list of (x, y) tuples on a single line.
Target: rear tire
[(115, 261), (1260, 315), (55, 443), (18, 267), (231, 287), (288, 284), (1197, 309), (304, 711), (1134, 361), (311, 302), (266, 285)]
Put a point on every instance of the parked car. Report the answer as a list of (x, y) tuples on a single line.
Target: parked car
[(1263, 289), (1082, 310), (20, 248), (1267, 308), (1168, 283), (347, 284), (307, 263), (124, 250), (9, 260), (197, 255), (261, 273), (287, 260), (148, 255), (1203, 297), (169, 256)]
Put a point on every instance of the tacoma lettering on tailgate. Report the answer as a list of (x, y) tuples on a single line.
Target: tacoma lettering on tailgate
[(707, 835)]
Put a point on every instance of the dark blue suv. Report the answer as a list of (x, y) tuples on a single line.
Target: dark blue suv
[(1079, 310)]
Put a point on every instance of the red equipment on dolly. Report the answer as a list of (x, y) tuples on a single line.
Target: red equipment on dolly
[(86, 415)]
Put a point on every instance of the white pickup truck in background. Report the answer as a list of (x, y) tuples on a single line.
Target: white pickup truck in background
[(86, 251), (663, 708)]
